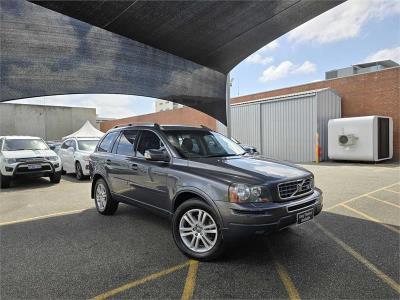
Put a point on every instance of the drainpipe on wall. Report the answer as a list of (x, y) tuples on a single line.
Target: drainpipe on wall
[(228, 105)]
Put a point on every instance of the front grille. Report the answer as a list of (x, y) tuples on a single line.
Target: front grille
[(30, 159), (25, 169), (295, 189)]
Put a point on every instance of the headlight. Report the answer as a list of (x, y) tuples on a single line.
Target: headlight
[(10, 160), (242, 193), (52, 158)]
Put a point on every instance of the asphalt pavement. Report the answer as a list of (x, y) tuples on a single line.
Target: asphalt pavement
[(55, 245)]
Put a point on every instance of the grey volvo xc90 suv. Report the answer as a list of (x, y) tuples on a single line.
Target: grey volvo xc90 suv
[(211, 189)]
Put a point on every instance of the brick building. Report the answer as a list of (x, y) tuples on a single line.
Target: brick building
[(373, 93)]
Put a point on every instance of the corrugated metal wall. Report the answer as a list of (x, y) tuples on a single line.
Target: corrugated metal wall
[(285, 127), (246, 124)]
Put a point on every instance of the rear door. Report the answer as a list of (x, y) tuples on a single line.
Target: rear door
[(123, 164), (149, 183)]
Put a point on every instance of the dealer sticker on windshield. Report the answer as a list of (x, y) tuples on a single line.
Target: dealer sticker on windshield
[(305, 216)]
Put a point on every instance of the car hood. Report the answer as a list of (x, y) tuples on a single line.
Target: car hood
[(28, 153), (247, 169), (83, 153)]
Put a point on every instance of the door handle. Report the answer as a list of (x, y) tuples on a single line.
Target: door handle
[(134, 167)]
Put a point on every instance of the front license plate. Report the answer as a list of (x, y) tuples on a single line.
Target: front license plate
[(34, 167), (305, 216)]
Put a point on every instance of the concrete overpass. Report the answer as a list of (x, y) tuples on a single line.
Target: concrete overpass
[(180, 51)]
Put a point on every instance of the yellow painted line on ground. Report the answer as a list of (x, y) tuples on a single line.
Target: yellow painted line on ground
[(389, 190), (190, 283), (371, 218), (389, 281), (383, 201), (137, 282), (360, 196), (285, 277), (64, 213)]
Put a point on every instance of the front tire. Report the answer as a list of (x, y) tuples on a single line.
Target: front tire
[(105, 204), (78, 171), (55, 177), (196, 230), (5, 181)]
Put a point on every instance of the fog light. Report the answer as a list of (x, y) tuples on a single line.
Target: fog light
[(56, 165), (9, 169)]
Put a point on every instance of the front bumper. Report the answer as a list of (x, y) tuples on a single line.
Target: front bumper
[(261, 218), (47, 168)]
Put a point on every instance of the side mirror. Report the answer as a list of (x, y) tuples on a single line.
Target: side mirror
[(71, 149), (156, 155)]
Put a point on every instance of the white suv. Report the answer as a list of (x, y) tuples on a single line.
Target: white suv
[(74, 154), (27, 156)]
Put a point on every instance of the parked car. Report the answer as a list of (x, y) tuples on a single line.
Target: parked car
[(54, 145), (27, 156), (74, 154), (211, 189), (249, 149)]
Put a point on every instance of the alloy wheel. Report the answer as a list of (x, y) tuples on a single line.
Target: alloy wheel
[(198, 230), (101, 196)]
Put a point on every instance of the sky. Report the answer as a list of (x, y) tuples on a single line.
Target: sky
[(354, 32)]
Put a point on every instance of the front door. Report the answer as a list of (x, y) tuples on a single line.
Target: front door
[(149, 184)]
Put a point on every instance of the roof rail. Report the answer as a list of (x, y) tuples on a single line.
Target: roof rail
[(138, 124)]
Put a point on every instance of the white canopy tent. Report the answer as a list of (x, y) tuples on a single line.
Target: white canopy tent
[(86, 131)]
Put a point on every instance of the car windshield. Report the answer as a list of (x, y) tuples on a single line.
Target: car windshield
[(201, 143), (24, 144), (87, 145)]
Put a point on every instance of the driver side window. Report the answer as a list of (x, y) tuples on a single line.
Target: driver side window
[(148, 140), (65, 145)]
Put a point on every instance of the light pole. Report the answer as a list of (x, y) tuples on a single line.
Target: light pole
[(228, 104)]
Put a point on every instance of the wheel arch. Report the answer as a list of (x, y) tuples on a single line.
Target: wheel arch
[(189, 193), (95, 178)]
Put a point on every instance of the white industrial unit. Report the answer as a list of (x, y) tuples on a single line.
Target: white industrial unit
[(361, 138)]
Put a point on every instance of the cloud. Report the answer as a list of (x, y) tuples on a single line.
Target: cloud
[(113, 106), (286, 68), (306, 68), (344, 21), (384, 54), (258, 59), (271, 46)]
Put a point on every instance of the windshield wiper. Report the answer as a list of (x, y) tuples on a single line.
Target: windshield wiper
[(222, 155)]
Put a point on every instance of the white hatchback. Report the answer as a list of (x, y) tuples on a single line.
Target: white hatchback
[(27, 156), (74, 154)]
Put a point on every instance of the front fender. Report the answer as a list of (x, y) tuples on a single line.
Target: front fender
[(200, 193)]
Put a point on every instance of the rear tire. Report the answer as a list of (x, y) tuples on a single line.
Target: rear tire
[(196, 230), (78, 171), (5, 181), (103, 200), (55, 177)]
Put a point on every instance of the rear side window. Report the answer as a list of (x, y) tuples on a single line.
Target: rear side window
[(107, 142), (127, 142)]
